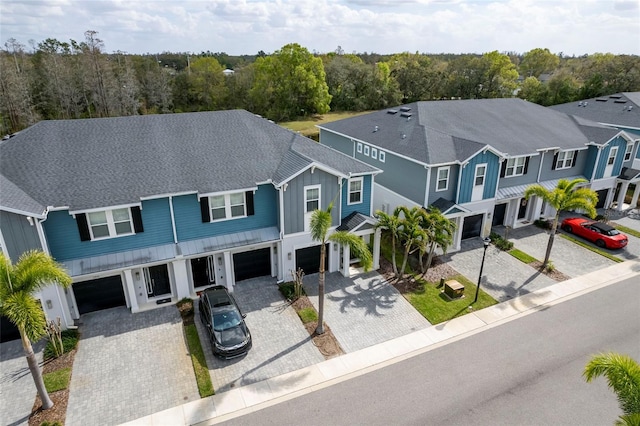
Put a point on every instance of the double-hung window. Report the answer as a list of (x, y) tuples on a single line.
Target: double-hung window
[(110, 223), (565, 159), (515, 166), (627, 152), (228, 206), (442, 183), (355, 190), (312, 198)]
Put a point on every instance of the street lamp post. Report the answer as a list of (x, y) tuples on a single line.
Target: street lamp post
[(486, 243)]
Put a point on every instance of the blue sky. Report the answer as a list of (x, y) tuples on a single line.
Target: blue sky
[(382, 26)]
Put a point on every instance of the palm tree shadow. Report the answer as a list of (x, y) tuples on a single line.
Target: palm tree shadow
[(370, 295)]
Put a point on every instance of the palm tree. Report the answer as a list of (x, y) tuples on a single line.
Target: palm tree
[(34, 271), (440, 231), (319, 226), (411, 231), (390, 222), (565, 196), (623, 376)]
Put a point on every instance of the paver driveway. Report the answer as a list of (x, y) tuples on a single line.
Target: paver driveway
[(280, 342), (128, 366)]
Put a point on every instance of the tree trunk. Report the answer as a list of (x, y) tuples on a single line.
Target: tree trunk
[(393, 256), (551, 238), (404, 260), (36, 373), (320, 327)]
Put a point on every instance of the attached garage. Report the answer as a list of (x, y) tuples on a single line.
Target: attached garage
[(98, 294), (309, 259), (472, 226), (602, 198), (251, 264), (8, 331)]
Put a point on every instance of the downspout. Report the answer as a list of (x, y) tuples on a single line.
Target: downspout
[(595, 165), (427, 189), (461, 168), (173, 220), (540, 166)]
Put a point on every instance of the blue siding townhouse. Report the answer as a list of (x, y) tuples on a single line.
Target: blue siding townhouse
[(473, 159), (620, 111), (146, 210)]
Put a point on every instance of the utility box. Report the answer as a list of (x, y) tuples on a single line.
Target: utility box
[(453, 289)]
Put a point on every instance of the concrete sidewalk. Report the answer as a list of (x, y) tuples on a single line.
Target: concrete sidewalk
[(238, 401)]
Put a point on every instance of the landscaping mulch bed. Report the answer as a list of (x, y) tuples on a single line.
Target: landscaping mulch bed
[(58, 413), (407, 284), (554, 274), (326, 343)]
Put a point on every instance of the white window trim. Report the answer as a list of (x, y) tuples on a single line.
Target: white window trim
[(382, 156), (306, 189), (111, 224), (613, 153), (361, 191), (227, 207), (628, 151), (562, 164), (438, 180), (515, 166), (360, 147), (366, 150), (374, 153), (483, 175)]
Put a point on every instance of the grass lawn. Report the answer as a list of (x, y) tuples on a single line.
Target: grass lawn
[(57, 380), (308, 315), (522, 256), (628, 231), (205, 387), (307, 127)]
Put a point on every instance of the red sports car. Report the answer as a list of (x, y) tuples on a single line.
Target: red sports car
[(597, 232)]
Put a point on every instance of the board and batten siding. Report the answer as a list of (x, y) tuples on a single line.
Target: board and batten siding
[(490, 180), (450, 192), (18, 234), (364, 207), (294, 198), (64, 242), (621, 143), (189, 225)]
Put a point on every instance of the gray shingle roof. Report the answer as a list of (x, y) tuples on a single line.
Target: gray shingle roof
[(95, 163), (449, 131), (612, 109), (14, 199)]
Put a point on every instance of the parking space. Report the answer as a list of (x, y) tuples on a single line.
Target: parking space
[(128, 366), (364, 310), (280, 342)]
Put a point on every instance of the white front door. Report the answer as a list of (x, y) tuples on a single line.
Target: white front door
[(611, 159), (478, 182)]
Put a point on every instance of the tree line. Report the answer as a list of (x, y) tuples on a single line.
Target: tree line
[(67, 80)]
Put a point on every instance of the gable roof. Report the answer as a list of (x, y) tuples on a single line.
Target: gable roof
[(95, 163), (438, 132), (619, 109)]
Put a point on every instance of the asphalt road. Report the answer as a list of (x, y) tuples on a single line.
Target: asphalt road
[(525, 372)]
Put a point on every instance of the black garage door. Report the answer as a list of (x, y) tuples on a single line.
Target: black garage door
[(602, 197), (250, 264), (309, 259), (471, 226), (8, 331), (102, 293)]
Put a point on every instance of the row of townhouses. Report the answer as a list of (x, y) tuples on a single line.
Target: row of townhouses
[(146, 210)]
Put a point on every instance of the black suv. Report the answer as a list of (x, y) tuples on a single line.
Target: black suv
[(224, 322)]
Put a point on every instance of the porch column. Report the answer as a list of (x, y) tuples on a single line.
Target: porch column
[(621, 194), (181, 278), (636, 194), (131, 291), (227, 279), (346, 257), (376, 249)]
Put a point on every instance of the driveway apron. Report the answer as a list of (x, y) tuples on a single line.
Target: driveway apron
[(17, 390), (365, 310), (280, 342), (128, 366)]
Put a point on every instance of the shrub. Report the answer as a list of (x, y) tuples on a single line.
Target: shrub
[(288, 290), (543, 223), (69, 342), (501, 243)]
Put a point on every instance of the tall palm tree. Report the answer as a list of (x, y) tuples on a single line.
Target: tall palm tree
[(411, 231), (440, 231), (34, 271), (623, 376), (319, 226), (565, 196), (390, 222)]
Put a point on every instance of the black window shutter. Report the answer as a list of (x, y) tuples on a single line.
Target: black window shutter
[(503, 168), (555, 160), (249, 198), (526, 165), (137, 219), (204, 209), (575, 156), (83, 227)]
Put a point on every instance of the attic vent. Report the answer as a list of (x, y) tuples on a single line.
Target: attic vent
[(375, 129), (620, 101), (630, 107), (405, 109), (392, 111), (601, 100), (406, 114), (404, 136), (580, 103), (615, 96)]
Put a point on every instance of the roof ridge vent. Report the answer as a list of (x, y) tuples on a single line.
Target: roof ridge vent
[(406, 114), (601, 99), (405, 109), (615, 96), (392, 111), (620, 101)]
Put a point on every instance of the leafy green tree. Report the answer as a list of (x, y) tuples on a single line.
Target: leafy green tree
[(34, 271), (538, 61), (500, 76), (533, 90), (565, 196), (440, 232), (419, 77), (623, 376), (319, 227), (412, 234), (562, 87), (290, 83), (207, 85), (390, 223)]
